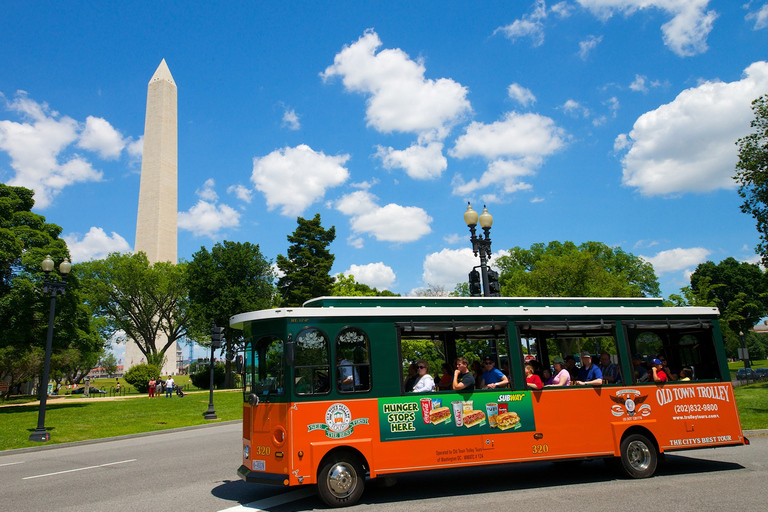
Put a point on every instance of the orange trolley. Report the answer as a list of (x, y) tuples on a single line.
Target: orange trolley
[(325, 400)]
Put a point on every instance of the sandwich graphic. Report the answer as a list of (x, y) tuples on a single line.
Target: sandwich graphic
[(508, 420), (439, 415), (472, 418)]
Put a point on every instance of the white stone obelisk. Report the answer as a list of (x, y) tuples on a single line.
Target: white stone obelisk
[(156, 222)]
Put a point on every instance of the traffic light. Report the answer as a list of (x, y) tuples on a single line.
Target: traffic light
[(217, 336), (475, 289), (494, 289)]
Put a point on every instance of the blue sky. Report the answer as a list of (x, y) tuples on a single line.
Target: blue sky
[(605, 120)]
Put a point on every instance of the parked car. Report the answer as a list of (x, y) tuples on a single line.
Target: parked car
[(761, 373), (91, 390)]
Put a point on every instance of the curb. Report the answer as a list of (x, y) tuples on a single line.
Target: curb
[(115, 438), (756, 433)]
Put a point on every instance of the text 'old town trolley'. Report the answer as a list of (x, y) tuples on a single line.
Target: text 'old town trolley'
[(327, 401)]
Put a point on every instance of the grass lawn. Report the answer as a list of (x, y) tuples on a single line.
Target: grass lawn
[(752, 401), (70, 421), (738, 365)]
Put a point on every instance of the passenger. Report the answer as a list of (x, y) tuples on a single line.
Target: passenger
[(531, 379), (505, 368), (670, 374), (685, 375), (537, 368), (477, 371), (425, 383), (446, 379), (589, 374), (657, 372), (561, 376), (411, 377), (570, 365), (349, 379), (641, 374), (492, 377), (546, 375), (462, 378), (609, 370)]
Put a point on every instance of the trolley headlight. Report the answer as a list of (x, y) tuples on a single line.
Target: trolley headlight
[(246, 451)]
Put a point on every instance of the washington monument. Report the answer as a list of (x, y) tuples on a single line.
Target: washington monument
[(156, 230), (158, 204)]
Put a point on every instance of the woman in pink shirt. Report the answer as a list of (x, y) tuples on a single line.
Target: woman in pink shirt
[(561, 377)]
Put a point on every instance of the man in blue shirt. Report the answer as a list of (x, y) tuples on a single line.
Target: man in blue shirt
[(492, 377), (589, 374)]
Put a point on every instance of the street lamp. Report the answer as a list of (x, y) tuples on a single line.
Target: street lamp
[(482, 245), (217, 336), (55, 288)]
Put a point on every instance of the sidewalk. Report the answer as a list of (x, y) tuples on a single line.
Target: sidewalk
[(68, 398)]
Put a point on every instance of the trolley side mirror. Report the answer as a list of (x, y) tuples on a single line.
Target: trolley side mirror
[(290, 351)]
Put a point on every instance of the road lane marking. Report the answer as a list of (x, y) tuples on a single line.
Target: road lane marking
[(79, 469), (11, 463), (275, 501)]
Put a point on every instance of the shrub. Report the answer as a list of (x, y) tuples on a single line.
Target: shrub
[(140, 375), (202, 377)]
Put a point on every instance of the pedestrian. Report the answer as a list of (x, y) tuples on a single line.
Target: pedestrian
[(169, 387), (87, 391), (152, 387)]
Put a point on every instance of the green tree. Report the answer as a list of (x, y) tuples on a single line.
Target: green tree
[(752, 173), (591, 269), (108, 361), (739, 290), (25, 240), (346, 286), (307, 266), (232, 278), (139, 299)]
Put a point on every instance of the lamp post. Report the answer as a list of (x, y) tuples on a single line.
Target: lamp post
[(481, 244), (217, 334), (55, 288)]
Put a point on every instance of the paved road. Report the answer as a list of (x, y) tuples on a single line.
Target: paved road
[(194, 470)]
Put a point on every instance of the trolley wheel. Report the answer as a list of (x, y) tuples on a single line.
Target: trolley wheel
[(341, 480), (638, 456)]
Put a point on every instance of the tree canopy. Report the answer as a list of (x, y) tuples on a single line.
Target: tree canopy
[(752, 173), (139, 299), (306, 267), (231, 278), (346, 286), (25, 240), (563, 269)]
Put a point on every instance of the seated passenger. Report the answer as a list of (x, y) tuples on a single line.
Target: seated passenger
[(411, 377), (570, 365), (424, 383), (657, 372), (492, 377), (531, 379), (561, 377), (447, 378), (686, 374), (589, 374), (641, 374), (463, 380), (546, 375), (670, 374), (609, 370)]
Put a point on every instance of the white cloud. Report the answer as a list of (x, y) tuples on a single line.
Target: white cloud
[(295, 178), (96, 244), (515, 146), (760, 16), (678, 259), (207, 192), (101, 137), (449, 267), (35, 148), (242, 193), (208, 219), (420, 162), (455, 238), (530, 25), (521, 95), (377, 275), (685, 34), (135, 148), (390, 223), (399, 97), (589, 44), (639, 84), (688, 145), (291, 119), (575, 109)]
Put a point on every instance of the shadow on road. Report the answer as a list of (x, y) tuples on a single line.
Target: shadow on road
[(468, 481)]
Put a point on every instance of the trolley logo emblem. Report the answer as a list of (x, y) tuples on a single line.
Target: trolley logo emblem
[(338, 422), (628, 401)]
